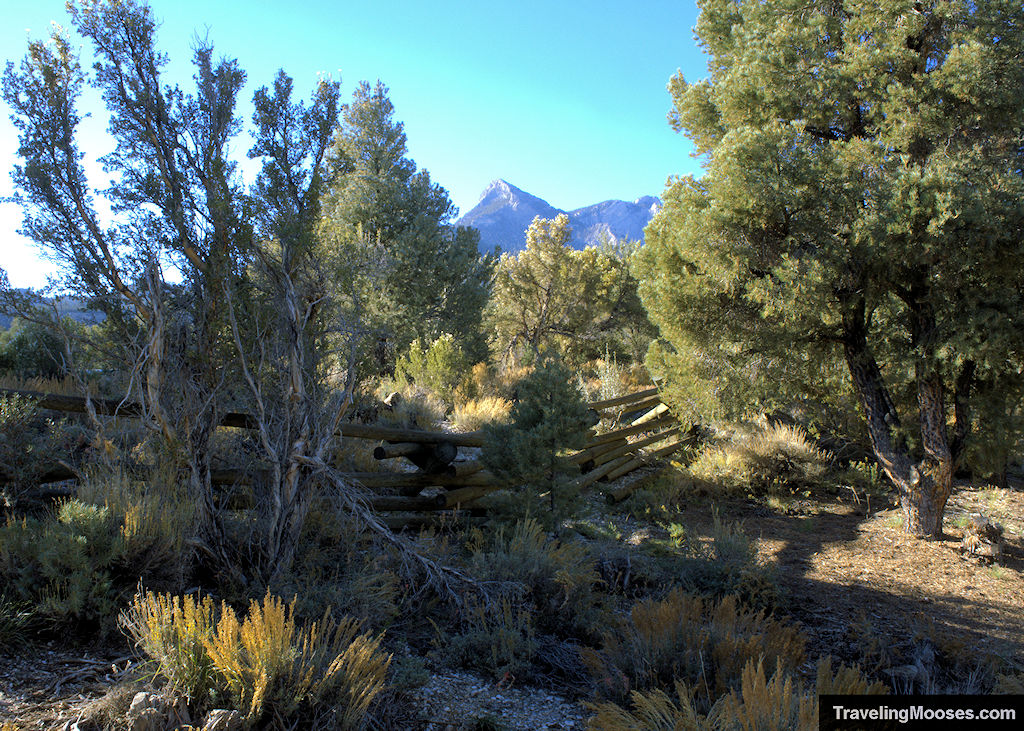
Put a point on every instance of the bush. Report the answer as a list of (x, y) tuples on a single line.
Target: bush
[(549, 418), (323, 675), (65, 565), (30, 445), (15, 618), (337, 567), (498, 638), (763, 459), (705, 644), (779, 704), (417, 408), (439, 367), (79, 564), (173, 631), (555, 580), (31, 349)]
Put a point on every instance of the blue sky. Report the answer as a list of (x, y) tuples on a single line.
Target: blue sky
[(565, 100)]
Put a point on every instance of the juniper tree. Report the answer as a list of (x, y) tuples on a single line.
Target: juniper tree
[(862, 205), (550, 295)]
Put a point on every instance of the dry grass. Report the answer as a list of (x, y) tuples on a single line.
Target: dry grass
[(66, 386), (762, 458), (478, 413)]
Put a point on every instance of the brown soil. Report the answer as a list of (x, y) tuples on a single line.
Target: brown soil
[(852, 577)]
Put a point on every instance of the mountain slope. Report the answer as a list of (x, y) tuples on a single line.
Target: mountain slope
[(505, 212)]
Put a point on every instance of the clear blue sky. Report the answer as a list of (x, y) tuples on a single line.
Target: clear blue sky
[(565, 100)]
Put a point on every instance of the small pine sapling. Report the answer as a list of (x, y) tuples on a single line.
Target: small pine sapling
[(548, 418)]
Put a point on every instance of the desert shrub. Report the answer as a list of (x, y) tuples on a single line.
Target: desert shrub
[(31, 349), (337, 568), (763, 458), (844, 680), (417, 407), (1011, 684), (477, 413), (556, 580), (30, 445), (15, 618), (76, 566), (173, 632), (322, 675), (652, 710), (68, 566), (779, 704), (156, 521), (438, 367), (725, 562), (686, 637), (497, 638)]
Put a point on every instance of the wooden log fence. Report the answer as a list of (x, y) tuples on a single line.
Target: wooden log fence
[(605, 456)]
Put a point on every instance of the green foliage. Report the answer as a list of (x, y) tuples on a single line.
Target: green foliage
[(66, 565), (551, 296), (76, 566), (439, 366), (15, 619), (685, 637), (337, 568), (412, 273), (548, 418), (31, 350), (323, 675), (498, 638), (836, 230), (30, 445), (556, 580)]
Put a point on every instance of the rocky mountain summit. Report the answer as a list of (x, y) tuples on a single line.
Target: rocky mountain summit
[(505, 212)]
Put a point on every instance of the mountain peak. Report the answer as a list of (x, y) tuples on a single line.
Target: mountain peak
[(505, 212), (501, 188)]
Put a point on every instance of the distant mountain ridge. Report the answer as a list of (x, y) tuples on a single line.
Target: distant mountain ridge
[(505, 212)]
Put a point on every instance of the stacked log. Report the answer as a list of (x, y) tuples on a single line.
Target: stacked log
[(434, 453), (611, 455)]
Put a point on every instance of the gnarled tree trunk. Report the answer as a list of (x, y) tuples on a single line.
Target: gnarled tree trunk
[(924, 484)]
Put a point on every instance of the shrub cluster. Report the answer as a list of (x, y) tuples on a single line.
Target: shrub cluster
[(763, 459), (540, 586), (689, 638), (780, 703), (322, 675)]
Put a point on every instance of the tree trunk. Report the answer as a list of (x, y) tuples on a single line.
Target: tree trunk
[(924, 487)]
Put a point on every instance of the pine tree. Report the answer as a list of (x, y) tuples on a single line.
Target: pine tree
[(548, 418), (419, 276), (550, 295), (862, 205)]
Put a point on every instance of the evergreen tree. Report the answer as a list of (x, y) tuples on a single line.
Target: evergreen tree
[(418, 275), (862, 204), (548, 418), (550, 295)]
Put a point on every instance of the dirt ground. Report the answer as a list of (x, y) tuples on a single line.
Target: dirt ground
[(857, 584), (849, 570)]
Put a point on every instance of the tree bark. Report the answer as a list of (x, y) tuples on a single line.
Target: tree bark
[(924, 486)]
